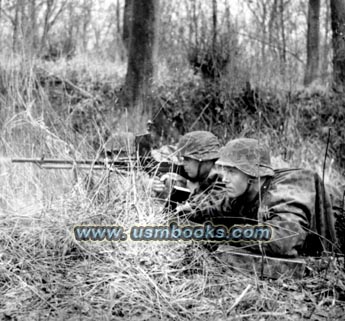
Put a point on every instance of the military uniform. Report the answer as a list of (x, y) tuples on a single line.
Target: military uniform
[(292, 201), (200, 146)]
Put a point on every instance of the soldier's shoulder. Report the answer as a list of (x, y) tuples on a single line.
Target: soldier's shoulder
[(298, 173), (293, 171), (298, 177)]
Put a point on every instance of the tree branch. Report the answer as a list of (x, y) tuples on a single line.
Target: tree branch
[(293, 54), (7, 16)]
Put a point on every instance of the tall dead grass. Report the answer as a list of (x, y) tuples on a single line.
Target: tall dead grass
[(45, 274)]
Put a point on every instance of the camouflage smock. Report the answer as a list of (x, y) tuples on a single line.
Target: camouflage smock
[(293, 202)]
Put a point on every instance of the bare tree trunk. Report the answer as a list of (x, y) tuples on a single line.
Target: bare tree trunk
[(49, 4), (271, 22), (273, 30), (15, 27), (312, 67), (68, 46), (49, 21), (326, 47), (127, 22), (214, 19), (283, 37), (23, 26), (97, 33), (87, 8), (118, 22), (227, 15), (33, 27), (0, 21), (338, 42), (264, 34), (195, 22), (140, 69)]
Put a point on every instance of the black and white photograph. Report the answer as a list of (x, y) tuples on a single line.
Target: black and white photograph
[(176, 160)]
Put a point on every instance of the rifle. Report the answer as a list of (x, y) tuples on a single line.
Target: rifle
[(112, 162), (150, 166), (49, 163)]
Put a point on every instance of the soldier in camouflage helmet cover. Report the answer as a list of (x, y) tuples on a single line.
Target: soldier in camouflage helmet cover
[(198, 152), (292, 201), (248, 156), (199, 145)]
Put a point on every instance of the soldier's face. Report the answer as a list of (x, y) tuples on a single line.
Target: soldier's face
[(196, 169), (191, 166), (236, 182)]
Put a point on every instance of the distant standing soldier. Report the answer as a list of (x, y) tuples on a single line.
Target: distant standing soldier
[(292, 201)]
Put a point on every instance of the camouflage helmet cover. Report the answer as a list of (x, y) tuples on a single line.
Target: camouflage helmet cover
[(199, 145), (248, 156)]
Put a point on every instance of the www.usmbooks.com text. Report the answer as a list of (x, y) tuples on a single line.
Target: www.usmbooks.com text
[(174, 232)]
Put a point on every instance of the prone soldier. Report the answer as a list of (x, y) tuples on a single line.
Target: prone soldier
[(198, 151), (293, 202)]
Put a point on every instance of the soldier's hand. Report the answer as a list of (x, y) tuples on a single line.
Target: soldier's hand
[(157, 185), (166, 182), (173, 179), (185, 208)]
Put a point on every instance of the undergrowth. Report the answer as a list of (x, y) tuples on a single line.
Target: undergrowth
[(46, 274)]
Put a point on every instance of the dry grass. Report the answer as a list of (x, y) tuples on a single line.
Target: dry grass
[(45, 274)]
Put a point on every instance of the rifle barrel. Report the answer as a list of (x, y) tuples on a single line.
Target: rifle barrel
[(121, 163), (39, 161), (85, 167)]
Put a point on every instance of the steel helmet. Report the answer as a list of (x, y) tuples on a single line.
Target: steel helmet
[(199, 145), (247, 155)]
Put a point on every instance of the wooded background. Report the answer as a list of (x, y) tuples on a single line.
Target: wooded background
[(232, 67), (284, 36), (74, 73)]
